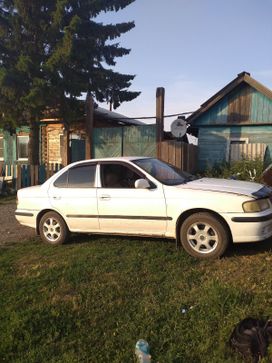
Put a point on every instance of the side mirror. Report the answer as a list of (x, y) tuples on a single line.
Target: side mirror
[(142, 184)]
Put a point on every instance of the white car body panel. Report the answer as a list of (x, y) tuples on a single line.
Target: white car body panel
[(79, 202), (153, 212), (224, 185), (144, 211)]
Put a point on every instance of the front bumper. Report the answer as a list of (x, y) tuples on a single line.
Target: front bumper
[(251, 227)]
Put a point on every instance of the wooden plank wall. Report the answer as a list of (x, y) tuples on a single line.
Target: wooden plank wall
[(183, 156)]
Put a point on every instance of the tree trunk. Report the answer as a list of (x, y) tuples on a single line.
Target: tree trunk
[(33, 146)]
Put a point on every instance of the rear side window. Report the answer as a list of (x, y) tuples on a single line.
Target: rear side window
[(82, 176), (61, 182)]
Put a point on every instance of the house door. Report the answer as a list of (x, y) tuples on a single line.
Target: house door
[(77, 150)]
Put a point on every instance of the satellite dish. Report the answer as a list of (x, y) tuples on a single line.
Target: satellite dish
[(179, 128)]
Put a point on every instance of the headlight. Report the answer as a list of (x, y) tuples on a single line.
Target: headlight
[(256, 205)]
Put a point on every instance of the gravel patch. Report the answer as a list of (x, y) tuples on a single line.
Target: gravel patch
[(10, 229)]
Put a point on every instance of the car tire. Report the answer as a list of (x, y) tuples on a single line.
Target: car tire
[(53, 229), (204, 236)]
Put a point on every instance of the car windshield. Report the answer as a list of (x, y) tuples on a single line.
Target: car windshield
[(163, 172)]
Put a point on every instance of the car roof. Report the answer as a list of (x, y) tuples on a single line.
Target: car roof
[(120, 158)]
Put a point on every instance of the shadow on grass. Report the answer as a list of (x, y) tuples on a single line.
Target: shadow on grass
[(103, 238), (236, 249), (249, 249)]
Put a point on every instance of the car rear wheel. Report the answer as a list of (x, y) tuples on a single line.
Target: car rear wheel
[(53, 229), (204, 236)]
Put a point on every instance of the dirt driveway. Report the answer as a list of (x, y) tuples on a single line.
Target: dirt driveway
[(10, 229)]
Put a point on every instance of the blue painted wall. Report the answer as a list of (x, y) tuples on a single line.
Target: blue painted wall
[(244, 105), (213, 142), (261, 108), (218, 114)]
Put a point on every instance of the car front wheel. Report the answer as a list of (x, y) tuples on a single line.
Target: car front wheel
[(53, 229), (204, 236)]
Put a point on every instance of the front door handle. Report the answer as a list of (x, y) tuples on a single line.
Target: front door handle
[(105, 197)]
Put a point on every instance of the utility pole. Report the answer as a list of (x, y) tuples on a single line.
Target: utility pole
[(160, 95), (89, 126)]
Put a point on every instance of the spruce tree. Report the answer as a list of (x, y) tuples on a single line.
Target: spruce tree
[(53, 51)]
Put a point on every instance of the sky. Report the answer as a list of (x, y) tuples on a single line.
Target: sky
[(192, 48)]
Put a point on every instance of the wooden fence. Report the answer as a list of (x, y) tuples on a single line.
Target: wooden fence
[(17, 176), (247, 151), (179, 154)]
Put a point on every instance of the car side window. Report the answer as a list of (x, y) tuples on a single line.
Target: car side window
[(61, 182), (118, 176), (82, 176)]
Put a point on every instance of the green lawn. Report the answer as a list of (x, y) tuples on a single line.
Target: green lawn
[(92, 299)]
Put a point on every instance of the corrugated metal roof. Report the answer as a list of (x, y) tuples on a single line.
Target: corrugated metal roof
[(114, 116)]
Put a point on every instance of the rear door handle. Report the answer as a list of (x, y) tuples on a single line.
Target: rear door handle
[(105, 197), (56, 197)]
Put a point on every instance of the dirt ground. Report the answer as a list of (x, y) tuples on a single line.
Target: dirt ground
[(10, 229)]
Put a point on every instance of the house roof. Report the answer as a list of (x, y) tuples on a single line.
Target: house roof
[(243, 77), (52, 115), (114, 116)]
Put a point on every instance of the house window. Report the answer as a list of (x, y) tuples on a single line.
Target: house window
[(22, 147), (1, 148)]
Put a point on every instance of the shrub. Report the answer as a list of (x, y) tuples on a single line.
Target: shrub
[(244, 169)]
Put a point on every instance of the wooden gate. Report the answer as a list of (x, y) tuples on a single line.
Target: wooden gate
[(183, 156), (124, 141)]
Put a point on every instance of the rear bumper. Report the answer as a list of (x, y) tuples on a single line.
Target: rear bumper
[(250, 228), (26, 217)]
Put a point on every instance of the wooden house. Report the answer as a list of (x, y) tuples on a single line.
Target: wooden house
[(56, 145), (234, 123)]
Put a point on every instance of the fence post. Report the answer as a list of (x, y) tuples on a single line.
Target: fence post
[(89, 126), (160, 93), (32, 181), (18, 177), (36, 174)]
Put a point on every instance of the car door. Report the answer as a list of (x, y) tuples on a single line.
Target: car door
[(74, 195), (124, 209)]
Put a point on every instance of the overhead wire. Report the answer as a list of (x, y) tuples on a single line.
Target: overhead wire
[(153, 117)]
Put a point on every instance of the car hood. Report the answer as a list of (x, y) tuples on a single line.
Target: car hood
[(251, 189)]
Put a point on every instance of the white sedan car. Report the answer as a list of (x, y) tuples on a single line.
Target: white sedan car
[(146, 197)]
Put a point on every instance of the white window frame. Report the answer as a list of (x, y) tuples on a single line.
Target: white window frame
[(239, 139), (2, 157), (17, 142)]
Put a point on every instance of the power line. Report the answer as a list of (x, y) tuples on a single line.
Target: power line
[(152, 117)]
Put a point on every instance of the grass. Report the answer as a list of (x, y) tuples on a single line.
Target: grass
[(7, 199), (92, 299)]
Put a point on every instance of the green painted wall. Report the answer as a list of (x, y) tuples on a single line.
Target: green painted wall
[(213, 142), (10, 152), (124, 141)]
